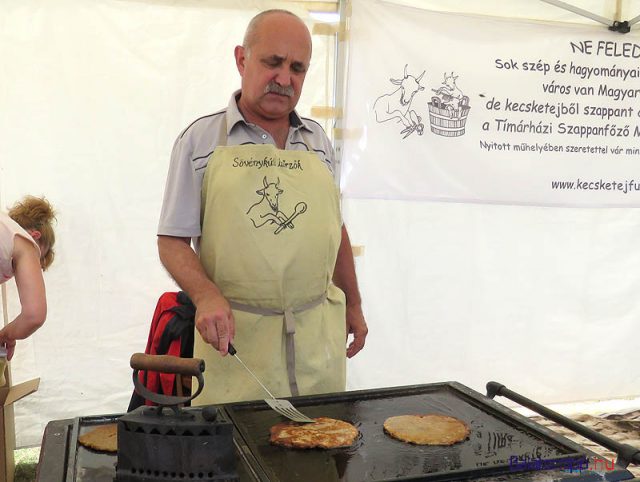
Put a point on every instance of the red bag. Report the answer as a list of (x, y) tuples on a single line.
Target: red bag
[(171, 333)]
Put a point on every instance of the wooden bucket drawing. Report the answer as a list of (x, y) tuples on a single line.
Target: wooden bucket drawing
[(445, 122)]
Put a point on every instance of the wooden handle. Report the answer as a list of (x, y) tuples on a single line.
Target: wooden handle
[(167, 364)]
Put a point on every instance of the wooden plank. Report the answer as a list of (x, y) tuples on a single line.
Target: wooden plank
[(325, 112), (7, 444)]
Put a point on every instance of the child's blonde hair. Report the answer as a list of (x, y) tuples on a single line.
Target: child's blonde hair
[(36, 213)]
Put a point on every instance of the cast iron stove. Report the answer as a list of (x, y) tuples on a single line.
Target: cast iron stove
[(167, 443)]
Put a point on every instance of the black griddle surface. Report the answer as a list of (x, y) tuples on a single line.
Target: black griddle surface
[(85, 464), (497, 434)]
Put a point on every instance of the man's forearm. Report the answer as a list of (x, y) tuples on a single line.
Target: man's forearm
[(344, 277), (214, 318), (344, 274), (185, 267)]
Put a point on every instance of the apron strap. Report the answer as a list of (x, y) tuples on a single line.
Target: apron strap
[(290, 326), (290, 329)]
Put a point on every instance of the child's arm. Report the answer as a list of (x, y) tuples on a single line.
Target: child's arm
[(31, 290)]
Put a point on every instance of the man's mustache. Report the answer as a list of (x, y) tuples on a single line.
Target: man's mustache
[(278, 89)]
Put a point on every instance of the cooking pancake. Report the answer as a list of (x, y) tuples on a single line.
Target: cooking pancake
[(326, 433), (429, 429), (103, 438)]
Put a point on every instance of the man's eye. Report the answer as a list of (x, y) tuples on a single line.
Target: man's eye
[(272, 62)]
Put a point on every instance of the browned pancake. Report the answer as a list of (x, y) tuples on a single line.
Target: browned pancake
[(326, 433), (103, 438), (430, 429)]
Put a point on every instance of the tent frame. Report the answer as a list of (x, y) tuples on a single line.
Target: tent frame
[(615, 25)]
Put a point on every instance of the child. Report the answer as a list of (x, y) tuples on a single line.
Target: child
[(26, 249)]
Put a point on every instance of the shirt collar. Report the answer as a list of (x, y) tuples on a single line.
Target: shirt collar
[(234, 116)]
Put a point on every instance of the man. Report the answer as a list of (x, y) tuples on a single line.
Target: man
[(252, 184)]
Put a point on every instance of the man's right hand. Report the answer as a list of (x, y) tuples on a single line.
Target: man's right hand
[(214, 319), (215, 323)]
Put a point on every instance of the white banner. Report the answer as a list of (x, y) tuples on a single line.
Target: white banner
[(479, 109)]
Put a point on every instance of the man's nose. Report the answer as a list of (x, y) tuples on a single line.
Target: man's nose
[(283, 77)]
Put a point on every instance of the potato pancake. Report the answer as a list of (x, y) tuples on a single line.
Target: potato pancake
[(429, 429), (326, 433)]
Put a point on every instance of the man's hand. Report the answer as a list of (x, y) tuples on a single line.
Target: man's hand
[(358, 328), (215, 323), (214, 319)]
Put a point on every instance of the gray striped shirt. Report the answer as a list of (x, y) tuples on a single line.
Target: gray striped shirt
[(180, 215)]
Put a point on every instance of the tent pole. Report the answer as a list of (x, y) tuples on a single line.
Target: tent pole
[(618, 15), (342, 62), (579, 11), (634, 20)]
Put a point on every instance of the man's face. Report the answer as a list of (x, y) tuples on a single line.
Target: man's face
[(273, 68)]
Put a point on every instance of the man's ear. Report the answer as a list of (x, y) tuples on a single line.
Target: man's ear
[(35, 234), (240, 55)]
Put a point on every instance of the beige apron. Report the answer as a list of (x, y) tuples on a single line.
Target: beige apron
[(271, 230)]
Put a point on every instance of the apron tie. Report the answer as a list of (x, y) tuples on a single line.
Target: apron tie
[(290, 329), (290, 325)]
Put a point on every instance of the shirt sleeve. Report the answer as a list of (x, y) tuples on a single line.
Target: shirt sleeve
[(180, 214)]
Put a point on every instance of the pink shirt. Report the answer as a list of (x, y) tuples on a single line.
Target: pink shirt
[(8, 230)]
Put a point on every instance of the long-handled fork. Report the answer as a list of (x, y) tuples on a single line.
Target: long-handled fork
[(283, 407)]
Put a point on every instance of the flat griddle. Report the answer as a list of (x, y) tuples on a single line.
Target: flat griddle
[(497, 435), (85, 464), (82, 464)]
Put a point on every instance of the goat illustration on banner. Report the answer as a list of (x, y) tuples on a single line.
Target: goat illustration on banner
[(397, 104), (448, 109)]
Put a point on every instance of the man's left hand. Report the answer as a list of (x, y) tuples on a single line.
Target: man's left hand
[(357, 327)]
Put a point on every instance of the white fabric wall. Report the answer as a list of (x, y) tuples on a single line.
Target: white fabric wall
[(543, 300), (92, 96)]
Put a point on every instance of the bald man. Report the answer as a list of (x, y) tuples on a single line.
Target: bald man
[(271, 268)]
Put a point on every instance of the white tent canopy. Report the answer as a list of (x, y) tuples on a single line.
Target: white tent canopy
[(583, 11), (92, 97)]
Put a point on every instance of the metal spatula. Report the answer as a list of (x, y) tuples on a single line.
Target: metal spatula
[(283, 407)]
